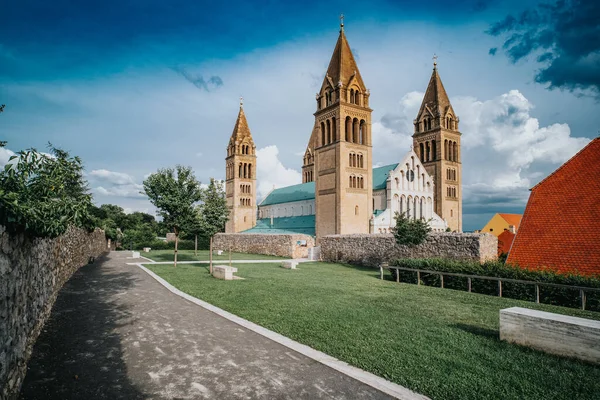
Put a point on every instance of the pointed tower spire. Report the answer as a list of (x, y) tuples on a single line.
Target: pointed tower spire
[(436, 99), (241, 130)]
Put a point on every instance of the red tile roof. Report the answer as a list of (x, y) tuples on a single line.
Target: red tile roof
[(505, 240), (560, 227), (512, 219)]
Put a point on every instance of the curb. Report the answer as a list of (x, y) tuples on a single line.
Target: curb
[(376, 382)]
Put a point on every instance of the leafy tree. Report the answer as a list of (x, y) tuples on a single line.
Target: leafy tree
[(213, 212), (174, 193), (42, 194), (410, 232)]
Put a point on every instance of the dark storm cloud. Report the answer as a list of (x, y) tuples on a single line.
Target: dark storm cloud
[(214, 82), (568, 34)]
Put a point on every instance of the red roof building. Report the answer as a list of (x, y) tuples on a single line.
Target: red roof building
[(560, 227), (505, 240)]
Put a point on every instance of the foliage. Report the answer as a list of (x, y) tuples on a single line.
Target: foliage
[(213, 211), (410, 232), (174, 192), (441, 343), (203, 255), (557, 296), (42, 194), (114, 220)]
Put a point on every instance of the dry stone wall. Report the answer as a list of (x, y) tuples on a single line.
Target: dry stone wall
[(372, 250), (274, 245), (32, 271)]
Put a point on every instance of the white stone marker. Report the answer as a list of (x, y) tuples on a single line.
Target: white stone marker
[(146, 249), (224, 272), (135, 254), (290, 264), (553, 333)]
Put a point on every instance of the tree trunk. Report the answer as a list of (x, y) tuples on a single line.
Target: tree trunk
[(196, 245), (176, 243), (210, 257)]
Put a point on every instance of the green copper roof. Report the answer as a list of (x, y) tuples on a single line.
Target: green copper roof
[(306, 191), (303, 191), (302, 224), (381, 174)]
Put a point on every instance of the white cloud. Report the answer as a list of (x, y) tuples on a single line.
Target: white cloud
[(272, 173), (116, 184), (5, 155)]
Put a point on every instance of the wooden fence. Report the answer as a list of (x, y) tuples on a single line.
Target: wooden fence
[(582, 289)]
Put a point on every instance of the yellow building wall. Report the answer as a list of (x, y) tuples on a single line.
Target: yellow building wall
[(495, 226)]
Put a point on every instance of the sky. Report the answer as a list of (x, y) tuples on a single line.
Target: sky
[(137, 85)]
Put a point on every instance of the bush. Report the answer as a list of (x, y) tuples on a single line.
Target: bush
[(566, 297), (410, 232), (161, 245)]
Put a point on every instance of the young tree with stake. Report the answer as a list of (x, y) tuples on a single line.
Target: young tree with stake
[(213, 212)]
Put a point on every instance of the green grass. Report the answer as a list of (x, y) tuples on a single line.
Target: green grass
[(438, 342), (188, 255)]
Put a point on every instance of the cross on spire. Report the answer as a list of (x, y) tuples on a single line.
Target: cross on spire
[(435, 57), (241, 102), (342, 21)]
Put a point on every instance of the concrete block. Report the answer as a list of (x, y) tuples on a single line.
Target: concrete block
[(224, 272), (147, 249), (135, 254), (553, 333), (314, 253), (290, 264)]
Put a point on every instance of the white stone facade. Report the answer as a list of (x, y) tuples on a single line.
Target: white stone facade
[(409, 191)]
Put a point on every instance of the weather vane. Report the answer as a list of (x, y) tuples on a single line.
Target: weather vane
[(341, 20), (241, 101), (435, 57)]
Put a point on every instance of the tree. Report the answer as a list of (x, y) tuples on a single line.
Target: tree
[(41, 194), (410, 232), (213, 212), (174, 193)]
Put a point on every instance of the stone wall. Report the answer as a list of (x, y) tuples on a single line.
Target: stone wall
[(274, 245), (372, 250), (32, 271)]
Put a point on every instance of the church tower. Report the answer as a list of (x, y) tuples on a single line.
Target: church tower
[(436, 140), (240, 183), (343, 168)]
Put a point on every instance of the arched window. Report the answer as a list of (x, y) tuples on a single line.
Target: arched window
[(328, 132), (421, 209), (455, 151), (361, 132), (240, 171), (348, 129), (333, 130), (357, 98), (349, 160), (433, 150), (355, 130), (349, 181), (352, 96), (355, 210), (421, 151), (322, 134), (249, 170), (427, 152), (408, 207)]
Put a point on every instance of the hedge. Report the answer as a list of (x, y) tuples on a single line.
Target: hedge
[(549, 295), (203, 244)]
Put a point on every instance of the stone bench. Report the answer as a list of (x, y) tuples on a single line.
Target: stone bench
[(289, 264), (224, 272), (147, 249), (553, 333)]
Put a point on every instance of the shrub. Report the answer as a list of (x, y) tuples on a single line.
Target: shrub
[(558, 296), (410, 232)]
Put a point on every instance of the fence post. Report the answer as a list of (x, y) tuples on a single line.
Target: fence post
[(441, 281), (582, 294), (418, 278), (397, 276), (469, 284), (537, 293), (499, 288), (380, 272)]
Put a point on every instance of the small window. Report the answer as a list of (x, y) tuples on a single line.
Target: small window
[(491, 229), (244, 219), (356, 210)]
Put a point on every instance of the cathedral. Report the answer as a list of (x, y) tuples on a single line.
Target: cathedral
[(341, 192)]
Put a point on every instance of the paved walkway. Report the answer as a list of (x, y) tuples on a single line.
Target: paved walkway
[(116, 333)]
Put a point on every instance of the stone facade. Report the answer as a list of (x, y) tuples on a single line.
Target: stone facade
[(240, 173), (372, 250), (343, 165), (436, 140), (32, 271), (273, 245)]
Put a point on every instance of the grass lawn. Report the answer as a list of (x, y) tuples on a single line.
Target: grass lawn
[(438, 342), (188, 255)]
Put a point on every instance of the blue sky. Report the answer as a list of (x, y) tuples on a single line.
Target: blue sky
[(133, 86)]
